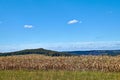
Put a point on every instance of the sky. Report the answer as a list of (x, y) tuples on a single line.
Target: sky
[(59, 24)]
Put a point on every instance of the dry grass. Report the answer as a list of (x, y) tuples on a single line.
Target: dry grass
[(78, 63)]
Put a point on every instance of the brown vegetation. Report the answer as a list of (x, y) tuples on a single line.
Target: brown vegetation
[(77, 63)]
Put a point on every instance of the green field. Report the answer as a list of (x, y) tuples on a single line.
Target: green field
[(57, 75)]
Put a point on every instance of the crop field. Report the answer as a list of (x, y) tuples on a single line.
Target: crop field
[(39, 67), (75, 63)]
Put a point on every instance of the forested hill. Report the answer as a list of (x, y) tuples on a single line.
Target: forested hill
[(66, 53), (95, 52), (36, 51)]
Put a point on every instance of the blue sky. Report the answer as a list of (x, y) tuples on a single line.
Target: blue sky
[(59, 24)]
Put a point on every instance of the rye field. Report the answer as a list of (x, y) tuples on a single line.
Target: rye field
[(39, 67), (75, 63)]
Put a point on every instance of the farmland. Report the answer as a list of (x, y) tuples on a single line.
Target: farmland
[(40, 67), (72, 63)]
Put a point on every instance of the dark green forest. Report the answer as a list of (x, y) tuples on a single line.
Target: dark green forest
[(36, 51), (45, 52)]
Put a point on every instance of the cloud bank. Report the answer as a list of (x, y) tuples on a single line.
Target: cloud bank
[(71, 46)]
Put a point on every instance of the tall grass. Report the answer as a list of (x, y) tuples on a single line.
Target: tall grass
[(57, 75), (76, 63)]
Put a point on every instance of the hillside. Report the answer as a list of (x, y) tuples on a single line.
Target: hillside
[(65, 53), (96, 52), (36, 51)]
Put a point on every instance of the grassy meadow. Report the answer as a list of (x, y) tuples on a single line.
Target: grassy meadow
[(39, 67), (57, 75)]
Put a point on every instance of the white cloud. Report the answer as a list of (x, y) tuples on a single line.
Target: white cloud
[(76, 46), (28, 26), (73, 21), (69, 46)]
